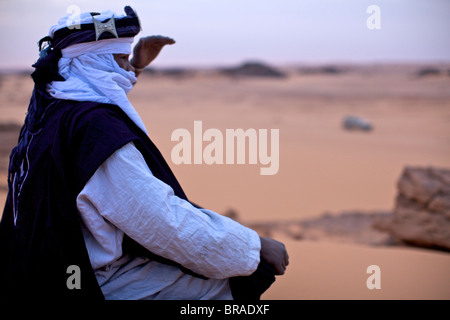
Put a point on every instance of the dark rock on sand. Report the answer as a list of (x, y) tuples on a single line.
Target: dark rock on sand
[(348, 226), (253, 69), (430, 71), (326, 70), (356, 123)]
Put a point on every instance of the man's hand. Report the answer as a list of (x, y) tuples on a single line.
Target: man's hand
[(274, 252), (147, 49)]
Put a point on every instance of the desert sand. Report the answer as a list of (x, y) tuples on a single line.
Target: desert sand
[(338, 271), (322, 168)]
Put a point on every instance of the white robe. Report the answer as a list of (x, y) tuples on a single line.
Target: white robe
[(124, 196)]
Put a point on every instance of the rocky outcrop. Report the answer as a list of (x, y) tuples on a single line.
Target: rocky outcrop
[(347, 226), (254, 69), (422, 211), (321, 70)]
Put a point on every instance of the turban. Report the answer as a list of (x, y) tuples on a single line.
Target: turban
[(90, 27), (78, 64)]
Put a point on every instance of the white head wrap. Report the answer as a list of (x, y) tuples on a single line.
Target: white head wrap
[(92, 74)]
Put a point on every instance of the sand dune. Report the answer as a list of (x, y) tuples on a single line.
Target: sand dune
[(325, 270)]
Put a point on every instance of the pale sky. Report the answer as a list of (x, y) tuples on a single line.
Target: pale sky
[(228, 32)]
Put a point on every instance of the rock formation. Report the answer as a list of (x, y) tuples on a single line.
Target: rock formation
[(253, 69), (422, 211)]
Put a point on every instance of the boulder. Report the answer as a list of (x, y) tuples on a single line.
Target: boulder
[(356, 123), (430, 71), (422, 210)]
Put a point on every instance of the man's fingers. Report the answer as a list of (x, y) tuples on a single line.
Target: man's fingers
[(163, 41), (160, 40), (170, 41), (281, 270)]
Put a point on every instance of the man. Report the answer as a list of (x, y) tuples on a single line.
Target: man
[(90, 194)]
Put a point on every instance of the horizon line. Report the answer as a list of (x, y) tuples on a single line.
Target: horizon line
[(292, 64)]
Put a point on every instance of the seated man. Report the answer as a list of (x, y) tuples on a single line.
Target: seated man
[(88, 188)]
